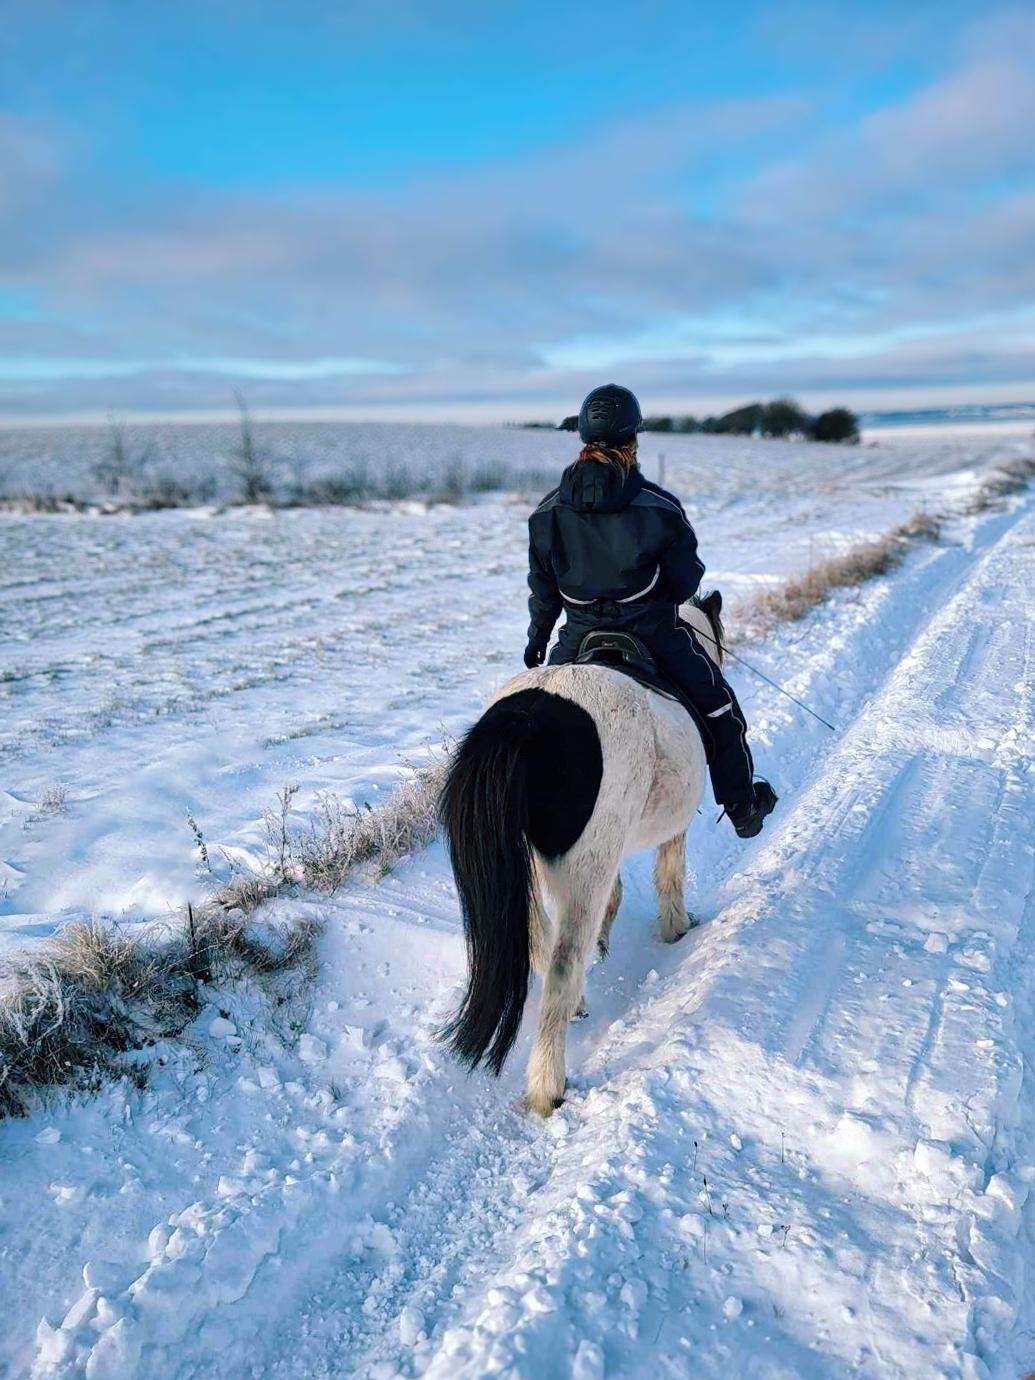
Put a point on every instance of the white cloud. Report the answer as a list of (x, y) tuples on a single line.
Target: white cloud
[(885, 250)]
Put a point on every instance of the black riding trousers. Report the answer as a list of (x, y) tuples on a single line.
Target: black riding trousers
[(683, 660)]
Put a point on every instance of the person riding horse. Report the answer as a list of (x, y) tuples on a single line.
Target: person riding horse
[(614, 551)]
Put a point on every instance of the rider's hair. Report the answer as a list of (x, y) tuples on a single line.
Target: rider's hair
[(622, 457)]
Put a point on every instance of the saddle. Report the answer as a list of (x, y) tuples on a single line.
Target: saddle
[(622, 651)]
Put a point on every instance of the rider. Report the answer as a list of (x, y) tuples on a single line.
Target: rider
[(615, 551)]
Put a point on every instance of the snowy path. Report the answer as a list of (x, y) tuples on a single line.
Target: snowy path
[(841, 1058), (796, 1144)]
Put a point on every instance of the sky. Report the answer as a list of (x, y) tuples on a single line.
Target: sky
[(480, 211)]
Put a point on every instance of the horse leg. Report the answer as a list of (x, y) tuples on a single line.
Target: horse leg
[(614, 901), (539, 945), (577, 926), (669, 872), (538, 929), (603, 939)]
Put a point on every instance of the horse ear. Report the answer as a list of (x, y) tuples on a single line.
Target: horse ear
[(712, 603)]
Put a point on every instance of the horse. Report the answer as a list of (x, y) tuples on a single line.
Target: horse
[(568, 770)]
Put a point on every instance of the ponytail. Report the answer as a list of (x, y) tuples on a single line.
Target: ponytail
[(621, 457)]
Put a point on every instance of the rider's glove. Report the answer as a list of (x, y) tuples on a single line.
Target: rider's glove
[(535, 652)]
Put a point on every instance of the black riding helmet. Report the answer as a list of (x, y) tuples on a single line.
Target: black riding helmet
[(610, 416)]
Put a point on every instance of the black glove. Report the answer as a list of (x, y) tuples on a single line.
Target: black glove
[(535, 652)]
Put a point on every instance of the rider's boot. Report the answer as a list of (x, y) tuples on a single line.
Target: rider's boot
[(747, 816)]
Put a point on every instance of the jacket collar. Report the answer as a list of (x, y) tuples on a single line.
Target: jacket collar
[(593, 486)]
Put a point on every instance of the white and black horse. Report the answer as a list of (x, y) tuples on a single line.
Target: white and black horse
[(568, 770)]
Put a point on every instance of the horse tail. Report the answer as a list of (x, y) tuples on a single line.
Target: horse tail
[(526, 776)]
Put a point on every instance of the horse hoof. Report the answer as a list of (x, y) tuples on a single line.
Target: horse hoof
[(582, 1013), (602, 950), (673, 933), (543, 1106)]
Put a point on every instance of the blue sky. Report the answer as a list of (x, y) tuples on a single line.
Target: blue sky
[(470, 210)]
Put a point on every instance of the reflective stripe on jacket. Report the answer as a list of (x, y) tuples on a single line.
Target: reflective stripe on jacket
[(606, 535)]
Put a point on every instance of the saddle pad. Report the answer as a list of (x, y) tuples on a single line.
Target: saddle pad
[(648, 675)]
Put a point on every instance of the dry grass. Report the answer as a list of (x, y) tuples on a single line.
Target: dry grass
[(73, 1004), (339, 841), (799, 596), (53, 800), (1008, 479)]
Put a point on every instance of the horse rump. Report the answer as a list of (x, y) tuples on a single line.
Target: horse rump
[(526, 776)]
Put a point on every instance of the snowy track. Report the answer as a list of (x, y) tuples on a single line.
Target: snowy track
[(796, 1144)]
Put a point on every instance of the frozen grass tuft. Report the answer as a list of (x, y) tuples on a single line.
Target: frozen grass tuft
[(338, 840), (1008, 479), (800, 595), (73, 1004), (53, 800)]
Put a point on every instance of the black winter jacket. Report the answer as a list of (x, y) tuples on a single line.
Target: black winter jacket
[(602, 534)]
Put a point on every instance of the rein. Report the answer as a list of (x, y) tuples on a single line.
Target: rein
[(725, 651)]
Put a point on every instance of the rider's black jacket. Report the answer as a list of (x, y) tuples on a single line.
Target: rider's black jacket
[(604, 535)]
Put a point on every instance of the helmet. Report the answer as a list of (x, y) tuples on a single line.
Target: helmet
[(610, 416)]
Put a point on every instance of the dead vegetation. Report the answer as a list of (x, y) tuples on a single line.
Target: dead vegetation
[(71, 1005), (1008, 479), (338, 841), (800, 595), (53, 800)]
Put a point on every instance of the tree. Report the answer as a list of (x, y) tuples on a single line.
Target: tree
[(742, 421), (837, 425), (569, 424), (783, 417), (117, 470), (657, 424), (249, 463)]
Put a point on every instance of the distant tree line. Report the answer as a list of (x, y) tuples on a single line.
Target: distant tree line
[(781, 417)]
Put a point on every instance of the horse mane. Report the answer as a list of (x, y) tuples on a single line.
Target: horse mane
[(711, 606)]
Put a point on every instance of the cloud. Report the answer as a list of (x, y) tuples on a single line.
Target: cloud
[(43, 369), (519, 251), (971, 129), (30, 164), (700, 250)]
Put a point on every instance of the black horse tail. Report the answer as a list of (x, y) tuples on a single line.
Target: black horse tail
[(525, 776)]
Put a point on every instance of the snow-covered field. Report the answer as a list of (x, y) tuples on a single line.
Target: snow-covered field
[(796, 1144)]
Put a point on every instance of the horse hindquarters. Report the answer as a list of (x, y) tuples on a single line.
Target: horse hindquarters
[(526, 775)]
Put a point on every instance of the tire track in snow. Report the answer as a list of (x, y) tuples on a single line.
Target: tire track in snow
[(450, 1359), (919, 1189), (564, 1252)]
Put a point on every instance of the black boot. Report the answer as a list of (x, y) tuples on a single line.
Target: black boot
[(747, 816)]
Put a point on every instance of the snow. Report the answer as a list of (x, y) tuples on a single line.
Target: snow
[(188, 663), (796, 1144)]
